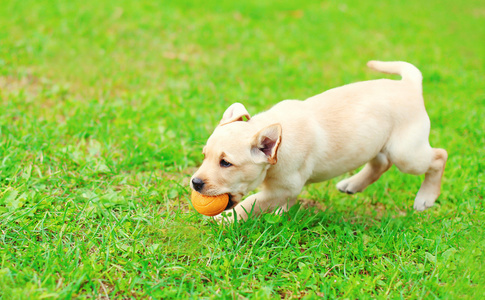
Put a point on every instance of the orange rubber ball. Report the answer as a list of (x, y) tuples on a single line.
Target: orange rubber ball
[(209, 205)]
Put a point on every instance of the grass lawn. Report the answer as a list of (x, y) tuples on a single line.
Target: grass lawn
[(105, 107)]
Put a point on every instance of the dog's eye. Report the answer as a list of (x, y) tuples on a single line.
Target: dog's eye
[(224, 163)]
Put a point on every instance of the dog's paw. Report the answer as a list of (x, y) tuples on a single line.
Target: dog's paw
[(345, 186), (425, 198), (421, 204), (224, 217)]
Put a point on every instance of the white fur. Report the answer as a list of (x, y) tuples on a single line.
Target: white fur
[(377, 123)]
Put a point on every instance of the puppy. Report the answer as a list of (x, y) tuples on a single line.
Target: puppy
[(377, 123)]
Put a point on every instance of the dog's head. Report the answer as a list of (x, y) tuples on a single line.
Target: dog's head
[(236, 156)]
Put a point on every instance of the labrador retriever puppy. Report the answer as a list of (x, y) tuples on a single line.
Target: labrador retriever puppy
[(377, 123)]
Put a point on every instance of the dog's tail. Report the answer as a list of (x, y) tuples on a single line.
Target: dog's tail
[(407, 71)]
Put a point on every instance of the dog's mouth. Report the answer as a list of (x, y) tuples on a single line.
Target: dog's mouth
[(231, 203)]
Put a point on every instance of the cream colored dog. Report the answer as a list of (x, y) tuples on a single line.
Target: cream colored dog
[(378, 122)]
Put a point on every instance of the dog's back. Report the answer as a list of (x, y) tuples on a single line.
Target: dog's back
[(368, 114)]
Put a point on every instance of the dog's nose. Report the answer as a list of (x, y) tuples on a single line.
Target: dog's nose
[(197, 184)]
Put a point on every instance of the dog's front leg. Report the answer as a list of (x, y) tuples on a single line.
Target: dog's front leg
[(264, 201)]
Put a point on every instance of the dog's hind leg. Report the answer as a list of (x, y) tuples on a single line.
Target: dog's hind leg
[(431, 187), (413, 155), (369, 174)]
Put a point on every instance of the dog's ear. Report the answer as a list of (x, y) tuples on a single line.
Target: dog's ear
[(265, 144), (234, 113)]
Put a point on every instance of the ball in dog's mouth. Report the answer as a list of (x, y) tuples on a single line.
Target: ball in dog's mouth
[(209, 205)]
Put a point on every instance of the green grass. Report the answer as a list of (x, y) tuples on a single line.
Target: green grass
[(105, 107)]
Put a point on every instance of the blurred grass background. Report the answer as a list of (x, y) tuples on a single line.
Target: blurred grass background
[(105, 107)]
